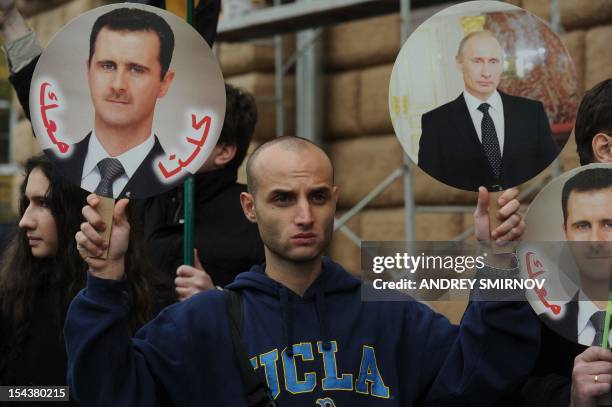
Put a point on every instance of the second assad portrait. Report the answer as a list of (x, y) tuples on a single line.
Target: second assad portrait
[(587, 226), (485, 137)]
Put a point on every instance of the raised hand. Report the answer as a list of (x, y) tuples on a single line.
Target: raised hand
[(91, 244), (192, 280)]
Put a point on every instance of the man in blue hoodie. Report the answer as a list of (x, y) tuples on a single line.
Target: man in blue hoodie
[(306, 329)]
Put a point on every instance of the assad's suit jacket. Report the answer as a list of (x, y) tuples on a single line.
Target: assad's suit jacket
[(450, 151), (567, 325), (143, 183)]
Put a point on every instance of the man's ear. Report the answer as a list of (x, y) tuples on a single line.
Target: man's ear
[(247, 201), (226, 154), (602, 148), (165, 83), (563, 230), (459, 62), (335, 193)]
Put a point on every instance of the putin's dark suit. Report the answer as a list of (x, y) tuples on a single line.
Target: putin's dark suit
[(450, 151)]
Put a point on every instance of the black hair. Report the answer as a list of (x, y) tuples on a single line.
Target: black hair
[(239, 123), (135, 19), (594, 116), (593, 179), (24, 277)]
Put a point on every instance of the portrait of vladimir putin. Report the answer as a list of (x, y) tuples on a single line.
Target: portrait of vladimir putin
[(485, 137), (128, 70)]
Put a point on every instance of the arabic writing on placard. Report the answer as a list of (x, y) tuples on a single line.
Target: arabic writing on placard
[(535, 268), (48, 101), (197, 142)]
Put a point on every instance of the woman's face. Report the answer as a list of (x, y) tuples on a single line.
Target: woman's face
[(37, 221)]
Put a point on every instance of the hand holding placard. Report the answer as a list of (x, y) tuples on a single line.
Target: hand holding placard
[(104, 236)]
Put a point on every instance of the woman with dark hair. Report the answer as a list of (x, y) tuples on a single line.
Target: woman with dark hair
[(41, 271)]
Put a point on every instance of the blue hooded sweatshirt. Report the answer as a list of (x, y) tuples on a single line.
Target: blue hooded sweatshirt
[(325, 349)]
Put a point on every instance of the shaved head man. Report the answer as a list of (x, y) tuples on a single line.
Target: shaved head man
[(485, 137), (304, 325), (293, 199)]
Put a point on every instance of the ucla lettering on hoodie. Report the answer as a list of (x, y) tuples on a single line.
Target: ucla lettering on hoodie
[(367, 379), (327, 348)]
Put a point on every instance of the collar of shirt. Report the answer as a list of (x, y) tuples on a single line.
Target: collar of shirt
[(130, 160), (472, 102), (586, 309)]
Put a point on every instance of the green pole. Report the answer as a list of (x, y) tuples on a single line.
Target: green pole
[(188, 225), (188, 191), (190, 12), (604, 340)]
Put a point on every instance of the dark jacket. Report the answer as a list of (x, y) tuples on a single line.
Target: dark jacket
[(142, 184), (41, 358), (450, 151), (227, 242), (550, 382), (345, 351), (21, 83)]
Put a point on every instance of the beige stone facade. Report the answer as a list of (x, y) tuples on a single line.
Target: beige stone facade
[(358, 58)]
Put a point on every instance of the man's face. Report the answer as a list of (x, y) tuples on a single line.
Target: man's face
[(481, 65), (38, 221), (124, 78), (589, 230), (295, 202)]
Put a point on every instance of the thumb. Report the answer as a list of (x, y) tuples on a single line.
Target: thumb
[(196, 260), (482, 206), (119, 214)]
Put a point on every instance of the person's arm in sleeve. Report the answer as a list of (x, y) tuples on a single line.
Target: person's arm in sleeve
[(21, 81), (494, 352), (474, 364), (105, 367), (22, 51), (496, 345)]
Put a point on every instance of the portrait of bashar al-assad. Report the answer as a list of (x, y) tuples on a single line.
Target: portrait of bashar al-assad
[(115, 146), (586, 203)]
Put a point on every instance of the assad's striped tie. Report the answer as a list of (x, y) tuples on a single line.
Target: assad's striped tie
[(598, 320), (110, 170)]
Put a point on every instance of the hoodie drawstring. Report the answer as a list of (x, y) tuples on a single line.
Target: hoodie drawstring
[(287, 322), (320, 304), (284, 297)]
